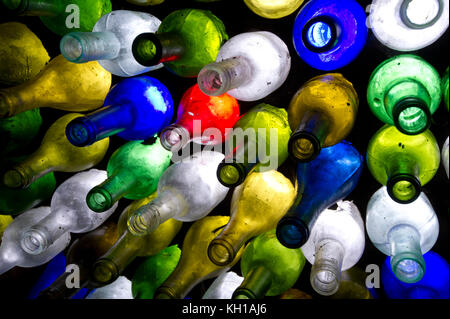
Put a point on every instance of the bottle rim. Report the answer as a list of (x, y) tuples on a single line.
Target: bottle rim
[(334, 30), (410, 24), (289, 224), (238, 171), (407, 103), (407, 179), (157, 47), (310, 138)]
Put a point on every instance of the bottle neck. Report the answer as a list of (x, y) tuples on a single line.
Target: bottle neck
[(150, 49), (223, 249), (178, 285), (407, 262), (80, 47), (255, 285), (292, 231), (219, 77), (174, 137), (34, 7), (326, 271), (58, 289), (15, 100), (403, 185), (24, 174)]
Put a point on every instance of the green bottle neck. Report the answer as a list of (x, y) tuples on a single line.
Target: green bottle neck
[(255, 285), (34, 7), (403, 184), (150, 49)]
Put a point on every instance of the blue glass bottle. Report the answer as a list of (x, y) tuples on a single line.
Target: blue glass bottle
[(331, 176), (433, 285), (329, 34), (135, 109)]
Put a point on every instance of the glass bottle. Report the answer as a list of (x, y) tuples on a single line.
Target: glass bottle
[(256, 207), (134, 170), (444, 155), (405, 91), (187, 191), (135, 109), (444, 87), (329, 34), (55, 154), (186, 41), (17, 132), (223, 286), (201, 118), (332, 176), (321, 114), (336, 243), (249, 67), (5, 220), (60, 85), (62, 16), (110, 42), (112, 263), (14, 201), (83, 252), (194, 265), (268, 267), (404, 163), (69, 213), (273, 9), (403, 231), (154, 271), (408, 25), (294, 293), (119, 289), (433, 285), (11, 252), (258, 143), (23, 54)]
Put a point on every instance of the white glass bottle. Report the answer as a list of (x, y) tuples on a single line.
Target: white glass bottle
[(336, 244), (249, 67), (110, 42), (69, 213), (223, 286), (118, 289), (408, 25), (403, 231), (11, 252), (444, 155), (187, 191)]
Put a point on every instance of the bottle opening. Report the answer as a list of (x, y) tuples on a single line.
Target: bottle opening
[(147, 49), (173, 139), (71, 48), (105, 271), (408, 270), (291, 232), (78, 133), (320, 34), (33, 242), (211, 81), (220, 252), (231, 174), (304, 147), (13, 179), (411, 116), (404, 188), (420, 14), (243, 293), (99, 200), (325, 282)]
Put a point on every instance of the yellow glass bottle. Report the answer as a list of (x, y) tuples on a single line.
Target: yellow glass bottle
[(256, 207), (55, 154), (22, 55), (109, 267), (5, 220), (273, 9), (194, 265), (353, 285), (60, 85), (321, 114)]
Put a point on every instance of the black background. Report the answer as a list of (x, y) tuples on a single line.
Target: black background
[(238, 19)]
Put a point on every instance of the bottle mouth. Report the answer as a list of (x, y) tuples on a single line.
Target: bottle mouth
[(174, 137), (408, 267), (80, 133), (104, 272), (15, 179), (292, 232), (99, 200), (411, 116), (404, 188), (320, 34), (71, 48), (220, 252), (231, 174), (304, 146), (419, 14), (34, 241), (211, 80), (324, 279), (243, 293), (147, 49)]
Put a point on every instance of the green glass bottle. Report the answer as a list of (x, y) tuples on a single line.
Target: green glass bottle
[(17, 132), (405, 91), (62, 16), (268, 267), (133, 172), (259, 142), (154, 271), (403, 162), (186, 41), (445, 87)]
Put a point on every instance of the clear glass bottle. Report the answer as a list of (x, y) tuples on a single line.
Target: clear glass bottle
[(403, 231), (273, 9), (249, 67), (223, 286)]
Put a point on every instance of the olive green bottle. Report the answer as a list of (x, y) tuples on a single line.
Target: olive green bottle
[(403, 162)]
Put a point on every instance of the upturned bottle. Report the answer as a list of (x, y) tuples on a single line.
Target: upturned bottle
[(154, 271), (405, 91), (113, 262), (258, 142), (11, 252), (187, 191), (135, 109), (336, 244), (133, 173), (55, 154), (256, 207), (321, 114), (273, 10), (404, 163), (331, 177), (444, 155), (69, 213), (268, 268), (223, 286), (60, 85), (186, 41), (62, 16), (249, 67), (403, 231), (201, 118), (110, 42), (194, 265), (23, 54)]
